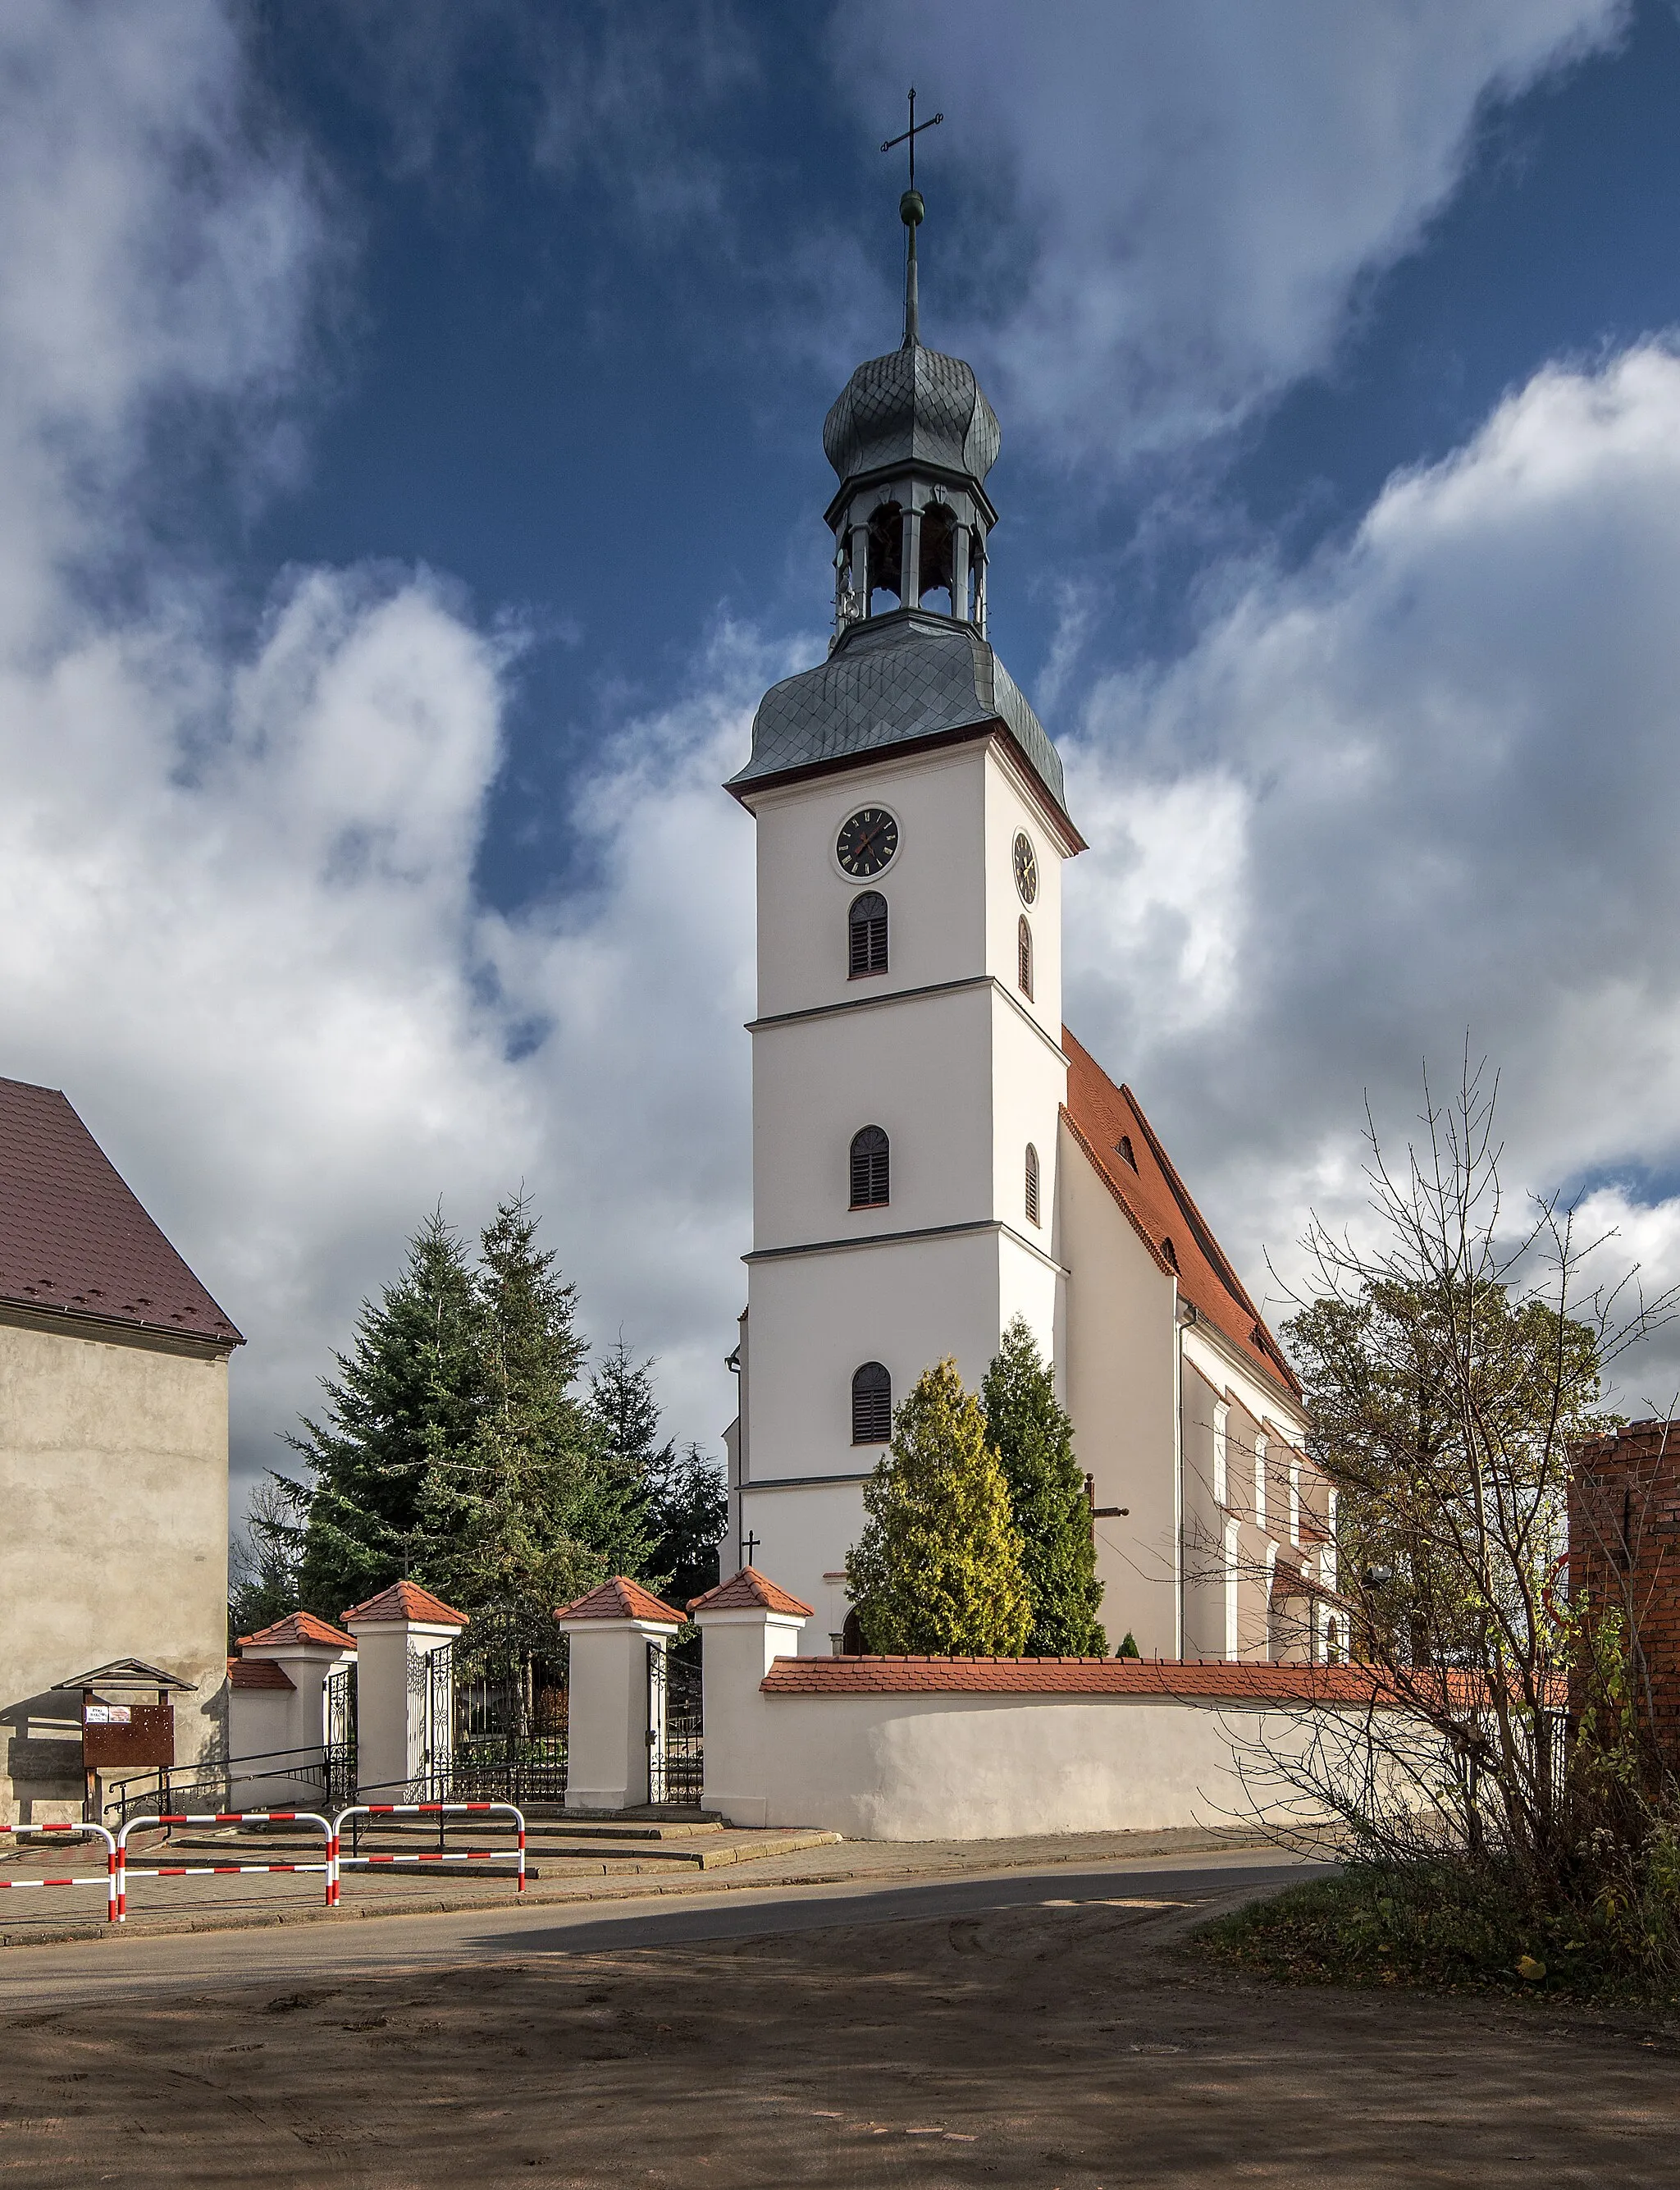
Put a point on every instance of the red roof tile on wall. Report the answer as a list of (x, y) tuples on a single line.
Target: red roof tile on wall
[(73, 1238), (749, 1591), (407, 1600), (1082, 1677), (1159, 1205), (258, 1673), (621, 1599), (302, 1628)]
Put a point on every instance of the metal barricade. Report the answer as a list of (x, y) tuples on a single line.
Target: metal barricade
[(439, 1854), (223, 1869), (111, 1882)]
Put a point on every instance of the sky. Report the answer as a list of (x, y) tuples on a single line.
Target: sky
[(411, 421)]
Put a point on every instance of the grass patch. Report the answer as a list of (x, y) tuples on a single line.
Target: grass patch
[(1450, 1926)]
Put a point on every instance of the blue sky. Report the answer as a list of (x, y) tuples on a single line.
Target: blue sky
[(414, 418)]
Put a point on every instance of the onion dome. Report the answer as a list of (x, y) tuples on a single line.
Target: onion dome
[(913, 406)]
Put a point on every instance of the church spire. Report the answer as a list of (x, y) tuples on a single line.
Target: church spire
[(910, 212)]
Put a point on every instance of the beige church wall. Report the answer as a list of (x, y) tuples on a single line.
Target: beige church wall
[(1121, 1352), (114, 1484), (817, 1081), (1204, 1516), (935, 889), (976, 1766)]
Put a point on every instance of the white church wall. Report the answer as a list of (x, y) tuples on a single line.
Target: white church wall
[(1027, 1076), (1010, 807), (1227, 1371), (972, 1765), (803, 1537), (1210, 1439), (816, 1082), (935, 888), (1121, 1349)]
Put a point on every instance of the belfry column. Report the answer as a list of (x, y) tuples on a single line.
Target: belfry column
[(959, 573), (860, 564), (910, 562)]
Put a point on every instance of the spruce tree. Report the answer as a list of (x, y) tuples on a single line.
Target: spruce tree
[(938, 1568), (532, 1509), (684, 1504), (407, 1394), (1034, 1441)]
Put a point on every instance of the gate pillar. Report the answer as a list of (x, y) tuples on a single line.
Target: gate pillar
[(748, 1622), (397, 1740), (608, 1722)]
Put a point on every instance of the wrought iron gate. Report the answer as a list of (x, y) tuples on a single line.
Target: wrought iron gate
[(675, 1728), (340, 1755)]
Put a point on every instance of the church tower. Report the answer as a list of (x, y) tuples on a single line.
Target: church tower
[(908, 1071)]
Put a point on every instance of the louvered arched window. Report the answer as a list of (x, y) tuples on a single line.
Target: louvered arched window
[(1031, 1184), (871, 1404), (866, 935), (1024, 956), (871, 1169)]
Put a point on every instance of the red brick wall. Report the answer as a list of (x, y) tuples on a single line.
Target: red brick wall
[(1625, 1549)]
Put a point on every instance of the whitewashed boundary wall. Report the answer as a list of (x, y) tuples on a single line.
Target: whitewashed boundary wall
[(981, 1749)]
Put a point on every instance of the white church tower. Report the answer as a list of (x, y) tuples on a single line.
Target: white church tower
[(908, 1073)]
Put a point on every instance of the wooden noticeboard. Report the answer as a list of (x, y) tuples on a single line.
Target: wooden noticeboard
[(114, 1735)]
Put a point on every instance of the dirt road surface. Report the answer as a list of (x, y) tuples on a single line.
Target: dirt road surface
[(1042, 2030)]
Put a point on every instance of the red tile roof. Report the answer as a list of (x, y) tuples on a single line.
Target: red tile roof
[(621, 1599), (1089, 1676), (258, 1673), (748, 1591), (302, 1628), (74, 1239), (407, 1600), (1162, 1212)]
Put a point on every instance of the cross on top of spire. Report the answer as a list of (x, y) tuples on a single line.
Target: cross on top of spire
[(909, 136), (910, 212)]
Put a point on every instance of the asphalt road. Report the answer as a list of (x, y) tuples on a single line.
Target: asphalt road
[(132, 1966)]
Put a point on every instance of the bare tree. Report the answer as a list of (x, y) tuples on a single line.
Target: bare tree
[(1450, 1368)]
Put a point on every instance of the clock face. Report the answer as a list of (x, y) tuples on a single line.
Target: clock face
[(868, 842), (1026, 867)]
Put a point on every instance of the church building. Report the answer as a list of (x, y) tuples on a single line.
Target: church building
[(933, 1151)]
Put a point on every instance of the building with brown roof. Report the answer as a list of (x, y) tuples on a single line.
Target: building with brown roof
[(933, 1154), (113, 1453)]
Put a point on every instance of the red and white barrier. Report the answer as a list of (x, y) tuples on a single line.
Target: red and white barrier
[(223, 1869), (110, 1881), (440, 1810)]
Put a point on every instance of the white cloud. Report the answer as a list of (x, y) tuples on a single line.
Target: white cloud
[(238, 917), (1426, 786), (1202, 184)]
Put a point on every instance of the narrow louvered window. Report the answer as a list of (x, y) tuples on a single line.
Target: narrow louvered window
[(1031, 1184), (871, 1404), (866, 935), (871, 1175), (1024, 953)]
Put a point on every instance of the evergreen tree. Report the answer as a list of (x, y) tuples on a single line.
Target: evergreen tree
[(263, 1560), (688, 1510), (1034, 1440), (938, 1568), (407, 1394), (685, 1504), (532, 1509)]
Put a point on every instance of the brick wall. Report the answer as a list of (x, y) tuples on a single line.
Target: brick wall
[(1625, 1549)]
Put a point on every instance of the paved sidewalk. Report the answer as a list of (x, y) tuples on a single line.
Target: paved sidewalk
[(170, 1905)]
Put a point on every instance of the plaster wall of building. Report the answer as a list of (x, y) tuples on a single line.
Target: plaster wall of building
[(114, 1485)]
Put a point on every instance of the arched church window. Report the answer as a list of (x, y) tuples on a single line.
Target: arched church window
[(1031, 1184), (866, 935), (871, 1169), (871, 1404), (1024, 957)]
